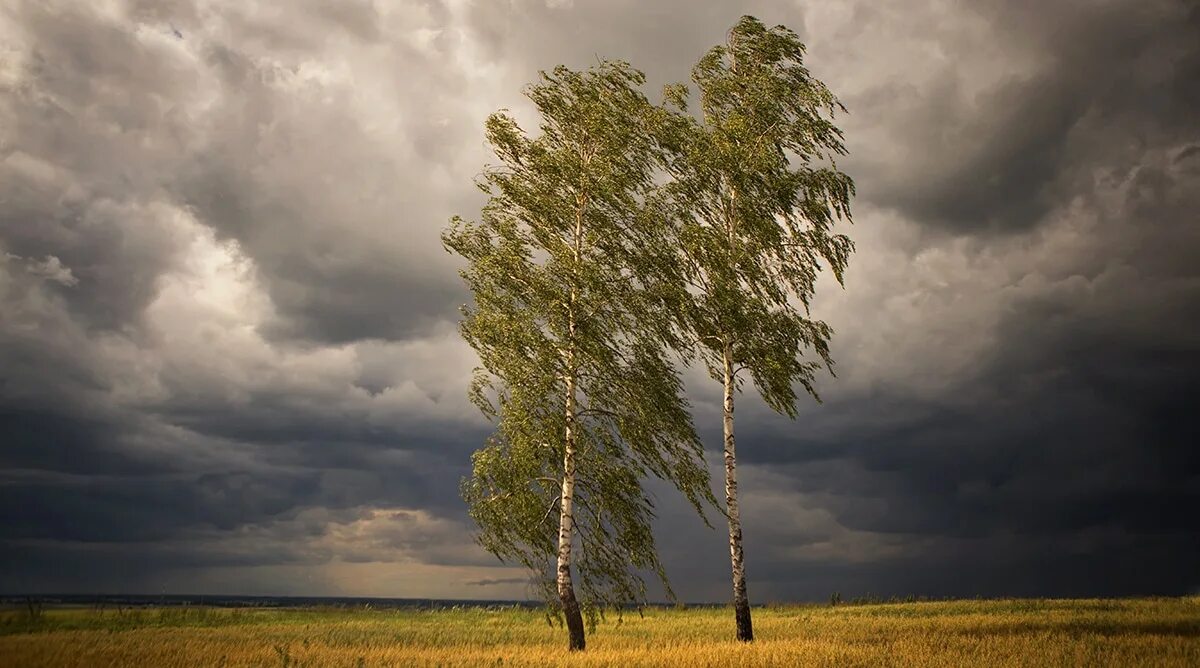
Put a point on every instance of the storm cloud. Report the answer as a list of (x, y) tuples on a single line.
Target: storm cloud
[(229, 360)]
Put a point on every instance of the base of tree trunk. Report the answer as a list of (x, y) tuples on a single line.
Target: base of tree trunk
[(741, 611), (574, 623)]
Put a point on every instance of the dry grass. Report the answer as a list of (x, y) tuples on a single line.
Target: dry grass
[(1128, 632)]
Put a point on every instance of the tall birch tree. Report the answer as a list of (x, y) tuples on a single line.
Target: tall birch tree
[(762, 192), (572, 273)]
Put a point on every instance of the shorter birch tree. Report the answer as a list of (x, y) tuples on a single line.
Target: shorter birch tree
[(572, 270)]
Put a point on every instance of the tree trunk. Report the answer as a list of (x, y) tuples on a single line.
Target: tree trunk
[(566, 526), (566, 593), (741, 601), (566, 518)]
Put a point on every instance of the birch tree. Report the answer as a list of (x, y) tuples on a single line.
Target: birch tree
[(572, 274), (762, 191)]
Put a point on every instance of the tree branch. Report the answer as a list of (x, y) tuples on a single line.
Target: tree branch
[(549, 509)]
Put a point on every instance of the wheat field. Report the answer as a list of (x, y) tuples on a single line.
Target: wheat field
[(1121, 632)]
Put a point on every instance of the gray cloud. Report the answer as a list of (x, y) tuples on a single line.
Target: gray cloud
[(228, 351)]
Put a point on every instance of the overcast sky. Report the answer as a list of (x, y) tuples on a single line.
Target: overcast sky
[(229, 360)]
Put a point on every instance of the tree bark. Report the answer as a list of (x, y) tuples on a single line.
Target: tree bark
[(566, 518), (741, 601), (566, 588), (566, 526)]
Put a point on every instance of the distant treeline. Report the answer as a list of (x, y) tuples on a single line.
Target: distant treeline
[(159, 600)]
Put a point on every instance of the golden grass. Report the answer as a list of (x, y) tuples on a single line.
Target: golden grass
[(1126, 632)]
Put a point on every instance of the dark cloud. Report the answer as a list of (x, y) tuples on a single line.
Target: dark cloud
[(66, 442), (1109, 79), (1072, 431), (228, 358)]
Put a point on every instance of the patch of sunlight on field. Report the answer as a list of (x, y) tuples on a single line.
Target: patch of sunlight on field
[(1124, 632)]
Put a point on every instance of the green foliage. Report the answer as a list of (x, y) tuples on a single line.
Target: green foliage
[(759, 192), (586, 267), (574, 277)]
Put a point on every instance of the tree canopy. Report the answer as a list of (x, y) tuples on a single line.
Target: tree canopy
[(572, 270)]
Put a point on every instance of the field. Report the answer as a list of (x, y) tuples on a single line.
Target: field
[(1123, 632)]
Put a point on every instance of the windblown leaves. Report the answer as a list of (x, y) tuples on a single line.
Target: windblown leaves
[(574, 274), (759, 193)]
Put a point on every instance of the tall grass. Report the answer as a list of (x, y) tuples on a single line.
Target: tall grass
[(1126, 632)]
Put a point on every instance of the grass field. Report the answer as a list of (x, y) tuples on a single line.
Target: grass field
[(1124, 632)]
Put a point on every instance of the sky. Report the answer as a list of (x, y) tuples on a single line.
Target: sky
[(229, 358)]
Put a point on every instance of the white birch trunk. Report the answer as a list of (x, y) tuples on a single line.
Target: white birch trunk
[(741, 600), (566, 519), (566, 526)]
